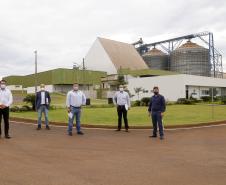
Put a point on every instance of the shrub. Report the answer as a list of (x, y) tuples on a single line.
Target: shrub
[(25, 108), (170, 103), (194, 99), (217, 98), (52, 107), (206, 98), (184, 101), (136, 103), (15, 109), (145, 101), (223, 100), (30, 99)]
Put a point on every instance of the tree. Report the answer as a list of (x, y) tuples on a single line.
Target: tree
[(121, 80), (145, 91), (30, 99), (138, 90)]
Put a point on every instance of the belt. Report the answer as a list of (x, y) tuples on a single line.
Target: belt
[(76, 107)]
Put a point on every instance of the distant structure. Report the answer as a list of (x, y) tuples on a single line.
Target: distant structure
[(58, 81), (189, 58), (110, 56), (156, 59)]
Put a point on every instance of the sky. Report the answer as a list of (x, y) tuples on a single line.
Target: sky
[(62, 31)]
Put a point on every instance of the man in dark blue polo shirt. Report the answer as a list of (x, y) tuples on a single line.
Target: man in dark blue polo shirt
[(156, 109)]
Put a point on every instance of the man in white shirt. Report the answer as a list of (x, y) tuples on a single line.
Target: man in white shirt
[(6, 99), (122, 101), (75, 100)]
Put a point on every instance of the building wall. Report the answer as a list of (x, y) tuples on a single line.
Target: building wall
[(97, 58), (171, 88), (15, 87), (31, 90), (88, 90), (174, 86)]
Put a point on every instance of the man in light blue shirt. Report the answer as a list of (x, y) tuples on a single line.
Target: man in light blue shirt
[(122, 101), (74, 102)]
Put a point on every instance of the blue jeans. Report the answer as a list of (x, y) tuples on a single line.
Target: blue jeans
[(43, 109), (76, 112), (157, 122)]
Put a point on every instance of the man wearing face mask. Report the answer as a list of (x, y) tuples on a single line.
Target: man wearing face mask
[(74, 102), (122, 101), (156, 109), (42, 101), (6, 99)]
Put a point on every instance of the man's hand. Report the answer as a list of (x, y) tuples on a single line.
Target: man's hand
[(162, 114), (68, 109), (149, 114), (2, 106)]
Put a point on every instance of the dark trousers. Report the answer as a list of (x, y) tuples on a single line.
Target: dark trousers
[(122, 112), (157, 122), (5, 113)]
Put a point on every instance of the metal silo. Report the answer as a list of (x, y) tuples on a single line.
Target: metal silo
[(190, 58), (156, 59)]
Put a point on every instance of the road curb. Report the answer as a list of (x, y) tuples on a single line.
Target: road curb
[(204, 124)]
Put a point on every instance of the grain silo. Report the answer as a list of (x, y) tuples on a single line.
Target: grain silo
[(190, 58), (156, 59)]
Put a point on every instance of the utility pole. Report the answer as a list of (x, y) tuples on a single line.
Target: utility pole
[(212, 98), (36, 69), (83, 70)]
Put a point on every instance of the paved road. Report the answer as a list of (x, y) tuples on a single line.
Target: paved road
[(105, 157)]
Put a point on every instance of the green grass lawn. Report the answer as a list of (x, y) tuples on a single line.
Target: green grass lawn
[(175, 115)]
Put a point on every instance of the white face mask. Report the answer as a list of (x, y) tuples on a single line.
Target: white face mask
[(3, 86), (121, 89), (75, 88)]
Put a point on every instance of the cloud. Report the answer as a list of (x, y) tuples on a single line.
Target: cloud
[(63, 31)]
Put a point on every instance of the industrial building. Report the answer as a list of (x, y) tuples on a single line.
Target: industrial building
[(190, 58), (110, 56), (182, 55), (156, 59), (192, 69), (178, 86), (58, 80)]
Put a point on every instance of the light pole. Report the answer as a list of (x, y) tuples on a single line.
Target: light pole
[(36, 71), (212, 99)]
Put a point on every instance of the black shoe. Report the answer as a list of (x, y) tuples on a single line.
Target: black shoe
[(80, 133), (118, 130), (153, 136), (161, 137), (70, 133), (39, 127), (47, 127), (7, 137)]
